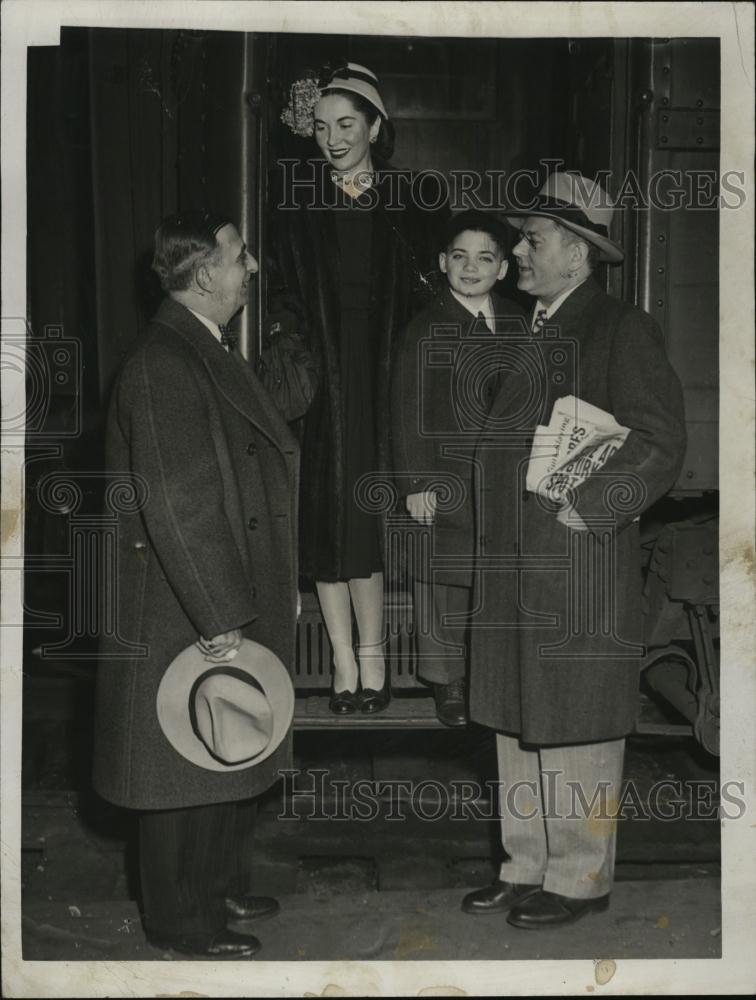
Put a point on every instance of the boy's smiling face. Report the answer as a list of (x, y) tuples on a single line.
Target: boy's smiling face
[(473, 263)]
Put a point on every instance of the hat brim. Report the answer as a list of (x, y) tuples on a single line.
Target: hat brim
[(365, 90), (610, 252), (172, 701)]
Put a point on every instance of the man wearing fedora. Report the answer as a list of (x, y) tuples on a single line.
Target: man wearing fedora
[(557, 640), (197, 722)]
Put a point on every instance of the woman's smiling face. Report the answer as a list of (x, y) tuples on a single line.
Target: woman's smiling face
[(343, 134)]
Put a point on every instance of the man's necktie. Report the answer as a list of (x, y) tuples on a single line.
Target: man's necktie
[(539, 321), (228, 339)]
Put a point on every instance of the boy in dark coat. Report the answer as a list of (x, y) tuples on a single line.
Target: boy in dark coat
[(441, 392), (210, 558), (557, 635)]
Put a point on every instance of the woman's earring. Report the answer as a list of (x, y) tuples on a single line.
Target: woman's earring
[(373, 138)]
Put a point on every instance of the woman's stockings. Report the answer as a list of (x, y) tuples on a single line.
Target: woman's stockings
[(336, 609), (367, 599), (336, 602)]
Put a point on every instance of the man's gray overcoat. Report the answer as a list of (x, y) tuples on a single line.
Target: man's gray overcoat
[(212, 548), (556, 632)]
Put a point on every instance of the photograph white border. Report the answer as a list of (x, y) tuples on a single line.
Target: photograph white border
[(34, 22)]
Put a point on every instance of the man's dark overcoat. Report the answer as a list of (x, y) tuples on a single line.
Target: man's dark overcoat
[(441, 391), (213, 548), (304, 259), (556, 638)]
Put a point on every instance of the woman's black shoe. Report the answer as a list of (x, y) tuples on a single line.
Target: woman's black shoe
[(343, 702), (372, 700)]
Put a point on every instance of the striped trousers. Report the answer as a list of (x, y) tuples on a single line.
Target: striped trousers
[(556, 806), (189, 861)]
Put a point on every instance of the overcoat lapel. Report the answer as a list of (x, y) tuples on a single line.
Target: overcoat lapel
[(516, 377), (231, 373), (571, 310)]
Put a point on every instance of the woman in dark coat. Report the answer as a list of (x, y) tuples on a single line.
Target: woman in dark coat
[(347, 241)]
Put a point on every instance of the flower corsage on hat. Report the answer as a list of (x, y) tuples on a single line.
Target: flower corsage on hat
[(305, 93)]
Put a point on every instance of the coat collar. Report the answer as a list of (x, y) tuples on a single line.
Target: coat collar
[(452, 306), (574, 305), (231, 373), (568, 317), (503, 314)]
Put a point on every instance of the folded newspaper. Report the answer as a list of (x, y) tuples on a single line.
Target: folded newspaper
[(578, 440)]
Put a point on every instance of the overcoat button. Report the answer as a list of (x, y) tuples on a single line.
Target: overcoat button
[(252, 523), (139, 546), (251, 448), (253, 592)]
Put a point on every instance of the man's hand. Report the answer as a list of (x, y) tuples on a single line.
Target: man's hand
[(422, 506), (221, 648), (570, 518)]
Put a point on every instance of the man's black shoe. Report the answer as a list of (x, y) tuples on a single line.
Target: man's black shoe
[(251, 907), (225, 944), (549, 909), (497, 898), (450, 703)]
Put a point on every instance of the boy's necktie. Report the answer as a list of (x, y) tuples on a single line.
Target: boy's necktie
[(481, 324), (539, 321)]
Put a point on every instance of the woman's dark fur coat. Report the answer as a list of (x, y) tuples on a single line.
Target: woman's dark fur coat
[(304, 269)]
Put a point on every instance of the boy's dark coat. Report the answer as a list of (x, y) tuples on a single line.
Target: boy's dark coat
[(213, 548), (442, 388)]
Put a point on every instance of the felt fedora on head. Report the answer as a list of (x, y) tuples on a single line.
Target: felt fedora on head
[(578, 204), (227, 716)]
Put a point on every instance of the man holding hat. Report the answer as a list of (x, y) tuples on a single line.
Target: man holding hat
[(196, 723), (557, 637)]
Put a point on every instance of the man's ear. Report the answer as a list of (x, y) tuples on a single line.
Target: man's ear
[(442, 263), (579, 253), (203, 279)]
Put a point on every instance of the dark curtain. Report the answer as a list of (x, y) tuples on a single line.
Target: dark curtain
[(123, 127)]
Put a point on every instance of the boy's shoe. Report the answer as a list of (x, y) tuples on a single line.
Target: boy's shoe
[(450, 702)]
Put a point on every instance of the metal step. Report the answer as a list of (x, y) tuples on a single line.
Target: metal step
[(418, 711), (312, 712)]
